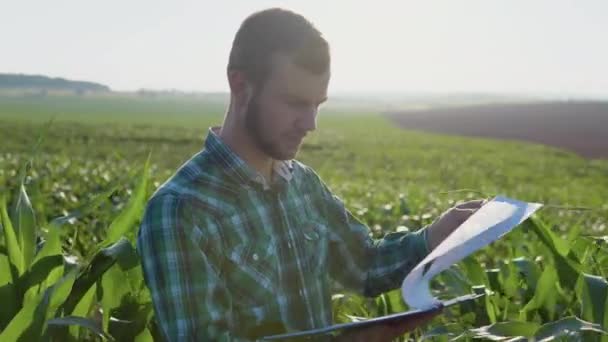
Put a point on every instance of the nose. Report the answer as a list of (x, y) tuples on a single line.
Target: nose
[(308, 120)]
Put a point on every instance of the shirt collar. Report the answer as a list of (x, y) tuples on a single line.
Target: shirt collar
[(237, 167)]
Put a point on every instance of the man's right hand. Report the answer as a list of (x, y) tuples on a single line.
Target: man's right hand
[(388, 331)]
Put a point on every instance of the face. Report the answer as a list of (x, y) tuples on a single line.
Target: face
[(284, 109)]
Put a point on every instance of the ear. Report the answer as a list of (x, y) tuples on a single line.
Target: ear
[(240, 87)]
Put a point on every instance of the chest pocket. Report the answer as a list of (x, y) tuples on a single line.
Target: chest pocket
[(312, 239), (251, 273)]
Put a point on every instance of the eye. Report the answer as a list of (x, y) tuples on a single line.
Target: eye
[(297, 104)]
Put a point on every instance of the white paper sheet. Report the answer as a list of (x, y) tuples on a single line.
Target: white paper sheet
[(494, 219)]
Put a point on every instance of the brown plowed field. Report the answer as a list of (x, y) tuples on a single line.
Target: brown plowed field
[(581, 127)]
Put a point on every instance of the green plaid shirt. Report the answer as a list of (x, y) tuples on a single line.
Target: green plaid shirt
[(228, 256)]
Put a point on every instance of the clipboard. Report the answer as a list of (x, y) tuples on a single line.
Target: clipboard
[(393, 318)]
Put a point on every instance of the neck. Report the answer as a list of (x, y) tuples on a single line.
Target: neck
[(237, 137)]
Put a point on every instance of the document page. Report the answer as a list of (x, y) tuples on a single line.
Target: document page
[(490, 222)]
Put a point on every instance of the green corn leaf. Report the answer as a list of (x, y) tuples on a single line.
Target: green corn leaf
[(442, 331), (144, 336), (493, 276), (79, 322), (85, 209), (5, 269), (10, 304), (475, 273), (455, 281), (568, 265), (395, 301), (24, 223), (12, 244), (347, 305), (82, 309), (29, 323), (134, 276), (509, 278), (564, 326), (60, 292), (605, 322), (52, 244), (530, 272), (113, 289), (43, 274), (505, 330), (47, 267), (23, 321), (127, 219), (554, 242), (545, 295), (491, 309), (22, 212), (382, 305), (122, 251), (592, 291)]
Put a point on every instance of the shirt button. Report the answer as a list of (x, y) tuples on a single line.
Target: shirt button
[(289, 245), (255, 256)]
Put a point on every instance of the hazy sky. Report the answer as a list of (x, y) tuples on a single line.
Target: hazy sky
[(511, 46)]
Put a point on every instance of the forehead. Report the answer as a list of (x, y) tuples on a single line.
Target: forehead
[(287, 77)]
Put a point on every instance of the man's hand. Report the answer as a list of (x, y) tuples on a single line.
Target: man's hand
[(388, 331), (450, 220)]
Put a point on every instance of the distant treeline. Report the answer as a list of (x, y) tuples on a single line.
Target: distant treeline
[(20, 81)]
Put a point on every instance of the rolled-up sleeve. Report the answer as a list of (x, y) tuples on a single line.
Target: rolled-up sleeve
[(360, 263)]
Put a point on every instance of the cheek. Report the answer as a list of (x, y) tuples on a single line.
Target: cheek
[(279, 116)]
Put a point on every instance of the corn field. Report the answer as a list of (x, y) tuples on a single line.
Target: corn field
[(69, 269)]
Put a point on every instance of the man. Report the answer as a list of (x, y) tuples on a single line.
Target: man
[(245, 241)]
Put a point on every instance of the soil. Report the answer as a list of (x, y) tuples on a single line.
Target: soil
[(581, 127)]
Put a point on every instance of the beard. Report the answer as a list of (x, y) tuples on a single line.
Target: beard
[(255, 127)]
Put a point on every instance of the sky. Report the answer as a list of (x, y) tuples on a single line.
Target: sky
[(484, 46)]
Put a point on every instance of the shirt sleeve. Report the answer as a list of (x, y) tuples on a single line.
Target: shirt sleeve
[(365, 265), (190, 300)]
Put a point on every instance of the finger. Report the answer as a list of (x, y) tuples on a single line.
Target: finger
[(417, 321), (462, 214), (395, 331), (390, 330), (465, 210), (475, 204)]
